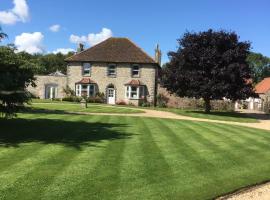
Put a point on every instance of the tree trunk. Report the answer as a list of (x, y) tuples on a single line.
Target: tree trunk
[(207, 105)]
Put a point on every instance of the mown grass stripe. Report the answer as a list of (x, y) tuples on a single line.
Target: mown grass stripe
[(157, 171), (13, 174), (66, 182), (103, 182), (35, 185)]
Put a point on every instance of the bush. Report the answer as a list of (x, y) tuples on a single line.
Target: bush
[(95, 99), (72, 99), (162, 100), (145, 104)]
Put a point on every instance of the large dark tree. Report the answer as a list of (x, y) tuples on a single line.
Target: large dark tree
[(210, 65), (15, 76)]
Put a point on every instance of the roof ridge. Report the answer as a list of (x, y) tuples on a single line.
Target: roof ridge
[(88, 48), (141, 50)]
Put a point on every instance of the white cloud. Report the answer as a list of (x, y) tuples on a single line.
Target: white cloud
[(77, 39), (20, 12), (8, 17), (55, 28), (30, 42), (92, 38), (63, 50)]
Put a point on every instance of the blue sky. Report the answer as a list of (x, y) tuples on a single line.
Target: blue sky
[(145, 22)]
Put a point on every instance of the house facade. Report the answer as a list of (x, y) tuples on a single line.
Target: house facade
[(116, 67)]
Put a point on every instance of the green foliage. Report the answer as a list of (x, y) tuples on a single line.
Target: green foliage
[(46, 64), (68, 91), (72, 99), (210, 65), (15, 76), (260, 66), (162, 101)]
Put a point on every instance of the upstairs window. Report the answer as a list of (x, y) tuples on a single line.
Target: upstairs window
[(112, 70), (86, 69), (135, 71)]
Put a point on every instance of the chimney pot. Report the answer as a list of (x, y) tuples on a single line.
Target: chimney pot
[(80, 47), (158, 55)]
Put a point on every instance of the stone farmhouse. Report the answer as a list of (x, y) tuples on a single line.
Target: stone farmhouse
[(116, 67)]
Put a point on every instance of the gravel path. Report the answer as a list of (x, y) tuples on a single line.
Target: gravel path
[(260, 192)]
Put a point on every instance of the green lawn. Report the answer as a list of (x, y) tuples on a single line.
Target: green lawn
[(93, 108), (214, 115), (65, 156)]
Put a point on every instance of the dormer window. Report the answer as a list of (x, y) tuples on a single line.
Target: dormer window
[(86, 69), (112, 70), (135, 71)]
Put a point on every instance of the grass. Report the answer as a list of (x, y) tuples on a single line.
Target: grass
[(93, 108), (213, 115), (71, 156)]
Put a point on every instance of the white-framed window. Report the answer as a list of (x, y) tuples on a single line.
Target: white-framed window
[(86, 69), (85, 90), (112, 70), (135, 92), (135, 71)]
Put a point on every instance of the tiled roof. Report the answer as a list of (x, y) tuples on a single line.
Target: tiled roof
[(263, 86), (134, 83), (85, 81), (116, 50)]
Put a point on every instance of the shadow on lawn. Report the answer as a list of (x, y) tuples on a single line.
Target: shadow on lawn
[(231, 114), (49, 131)]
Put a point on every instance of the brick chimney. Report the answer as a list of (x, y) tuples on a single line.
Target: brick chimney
[(158, 55), (80, 47)]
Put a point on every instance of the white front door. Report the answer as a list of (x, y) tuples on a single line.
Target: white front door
[(111, 96)]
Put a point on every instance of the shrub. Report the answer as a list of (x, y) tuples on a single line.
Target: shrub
[(162, 100), (72, 99), (145, 104)]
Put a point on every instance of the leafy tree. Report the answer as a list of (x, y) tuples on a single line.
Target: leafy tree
[(260, 66), (15, 76), (46, 64), (210, 65)]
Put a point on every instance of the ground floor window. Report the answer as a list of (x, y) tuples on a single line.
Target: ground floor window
[(135, 92), (51, 91), (87, 90)]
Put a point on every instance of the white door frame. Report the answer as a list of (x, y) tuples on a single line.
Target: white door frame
[(111, 95)]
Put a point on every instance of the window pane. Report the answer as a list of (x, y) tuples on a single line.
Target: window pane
[(86, 68), (111, 70), (135, 70)]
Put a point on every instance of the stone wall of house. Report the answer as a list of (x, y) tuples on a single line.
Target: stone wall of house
[(42, 81), (123, 76)]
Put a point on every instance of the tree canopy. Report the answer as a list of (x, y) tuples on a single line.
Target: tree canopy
[(15, 75), (47, 63), (260, 66), (210, 65)]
